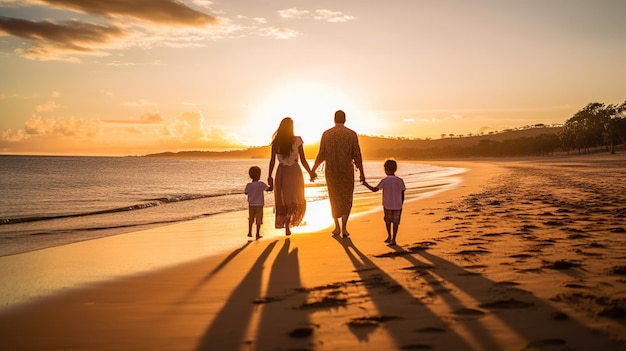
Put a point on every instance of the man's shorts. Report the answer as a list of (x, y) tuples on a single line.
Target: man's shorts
[(255, 213), (393, 216)]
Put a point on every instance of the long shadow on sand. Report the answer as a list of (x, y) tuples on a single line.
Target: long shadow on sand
[(540, 324), (280, 324), (215, 270), (228, 329), (406, 315)]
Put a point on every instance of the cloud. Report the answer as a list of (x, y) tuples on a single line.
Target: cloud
[(11, 136), (332, 16), (428, 120), (51, 128), (148, 134), (115, 24), (148, 118), (320, 15), (188, 130), (68, 126), (168, 12), (188, 126), (202, 3), (292, 13), (48, 106), (138, 103), (279, 32), (4, 96), (133, 131), (49, 37)]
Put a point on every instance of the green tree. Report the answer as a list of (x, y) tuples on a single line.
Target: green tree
[(591, 127)]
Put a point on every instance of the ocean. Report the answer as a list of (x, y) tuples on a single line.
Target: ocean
[(48, 201)]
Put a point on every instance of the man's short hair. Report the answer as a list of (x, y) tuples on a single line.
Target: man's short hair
[(340, 116)]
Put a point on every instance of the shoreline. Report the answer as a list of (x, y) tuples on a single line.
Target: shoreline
[(476, 268), (126, 254), (153, 208)]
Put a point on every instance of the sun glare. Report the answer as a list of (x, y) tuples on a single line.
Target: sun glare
[(311, 106)]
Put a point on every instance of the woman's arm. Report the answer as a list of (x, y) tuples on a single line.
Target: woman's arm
[(305, 163), (270, 180), (303, 160)]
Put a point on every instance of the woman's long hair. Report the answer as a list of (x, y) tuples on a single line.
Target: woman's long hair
[(283, 137)]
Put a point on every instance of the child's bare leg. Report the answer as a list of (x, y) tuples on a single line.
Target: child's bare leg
[(395, 233), (250, 222), (258, 231), (287, 231), (388, 226)]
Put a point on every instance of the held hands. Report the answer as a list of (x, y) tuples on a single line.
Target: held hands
[(313, 175)]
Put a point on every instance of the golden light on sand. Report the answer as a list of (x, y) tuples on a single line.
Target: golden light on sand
[(318, 216)]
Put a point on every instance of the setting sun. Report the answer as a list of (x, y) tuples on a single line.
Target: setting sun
[(310, 104)]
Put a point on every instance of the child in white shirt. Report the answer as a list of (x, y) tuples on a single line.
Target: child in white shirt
[(256, 200), (393, 198)]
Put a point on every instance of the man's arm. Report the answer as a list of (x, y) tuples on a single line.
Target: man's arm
[(358, 159), (321, 155), (270, 180)]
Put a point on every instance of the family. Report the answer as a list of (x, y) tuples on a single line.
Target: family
[(340, 150)]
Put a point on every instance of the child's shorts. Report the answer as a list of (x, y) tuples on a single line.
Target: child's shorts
[(255, 213), (393, 216)]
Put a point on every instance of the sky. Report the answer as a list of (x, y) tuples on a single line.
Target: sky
[(118, 77)]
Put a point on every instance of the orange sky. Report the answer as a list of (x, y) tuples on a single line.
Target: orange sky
[(123, 77)]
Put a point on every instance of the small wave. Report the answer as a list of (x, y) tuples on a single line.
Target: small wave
[(187, 197), (147, 203)]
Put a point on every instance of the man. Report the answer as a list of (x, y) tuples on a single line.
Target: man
[(339, 148)]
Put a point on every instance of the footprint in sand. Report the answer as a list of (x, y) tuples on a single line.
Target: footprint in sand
[(473, 252), (507, 304), (469, 312), (546, 344), (301, 333), (521, 256), (369, 322), (506, 284), (618, 270), (416, 347), (561, 264)]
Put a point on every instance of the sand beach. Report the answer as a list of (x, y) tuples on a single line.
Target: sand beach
[(526, 254)]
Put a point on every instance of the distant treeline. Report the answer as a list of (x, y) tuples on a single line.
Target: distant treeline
[(539, 145), (595, 127)]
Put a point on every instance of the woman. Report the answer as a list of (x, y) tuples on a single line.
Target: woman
[(289, 183)]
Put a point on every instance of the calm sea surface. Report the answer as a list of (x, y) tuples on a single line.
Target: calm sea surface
[(50, 201)]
